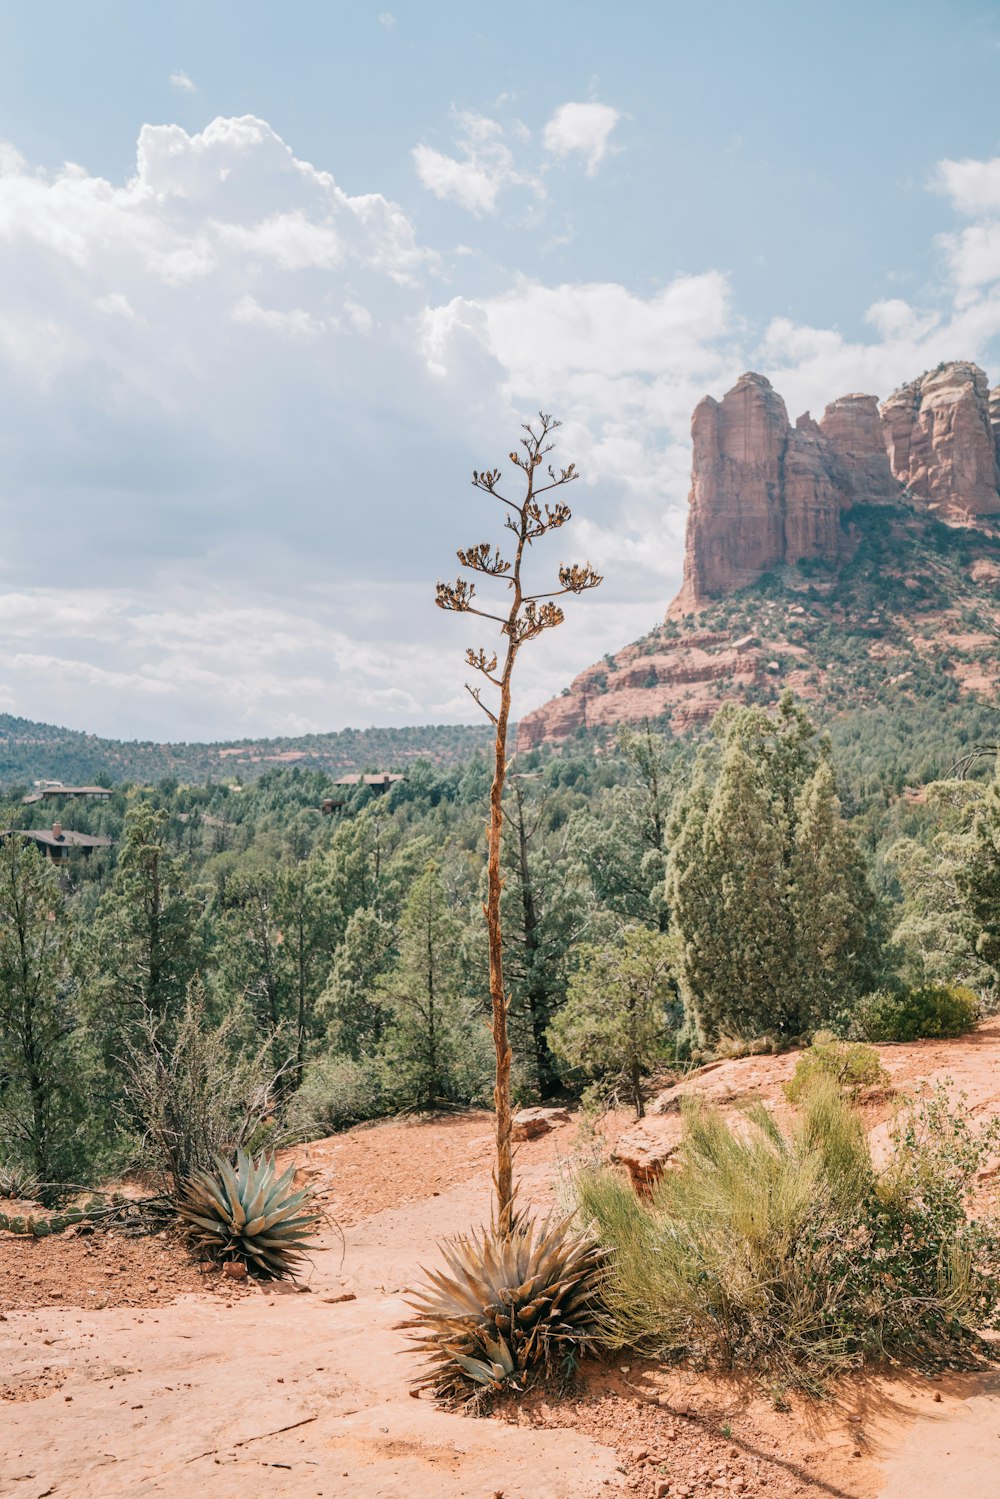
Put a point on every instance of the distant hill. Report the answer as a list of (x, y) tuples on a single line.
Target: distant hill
[(39, 751)]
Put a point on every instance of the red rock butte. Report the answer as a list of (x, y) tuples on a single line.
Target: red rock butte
[(765, 493)]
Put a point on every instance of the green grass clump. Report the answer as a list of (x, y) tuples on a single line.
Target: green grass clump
[(935, 1010), (786, 1253), (850, 1064)]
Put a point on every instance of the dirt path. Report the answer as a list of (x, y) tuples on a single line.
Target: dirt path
[(125, 1372)]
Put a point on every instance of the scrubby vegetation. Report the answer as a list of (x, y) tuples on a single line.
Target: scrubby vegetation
[(237, 956), (900, 1014), (790, 1253), (850, 1065)]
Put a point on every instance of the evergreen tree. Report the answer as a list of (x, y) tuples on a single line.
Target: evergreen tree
[(274, 953), (979, 880), (837, 926), (146, 943), (353, 1003), (777, 924), (36, 1017), (425, 992), (542, 918), (619, 1012)]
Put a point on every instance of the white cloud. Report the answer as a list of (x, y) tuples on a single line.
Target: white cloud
[(583, 130), (972, 186), (295, 323), (483, 168), (225, 384), (181, 81), (387, 20)]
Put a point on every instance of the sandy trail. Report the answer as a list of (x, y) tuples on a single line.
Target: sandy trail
[(276, 1393), (244, 1391)]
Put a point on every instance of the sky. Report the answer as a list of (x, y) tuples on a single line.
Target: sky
[(274, 278)]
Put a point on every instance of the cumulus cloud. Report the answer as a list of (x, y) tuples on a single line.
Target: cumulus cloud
[(181, 81), (582, 130), (972, 186), (229, 391)]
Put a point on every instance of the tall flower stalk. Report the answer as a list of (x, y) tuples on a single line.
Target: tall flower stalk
[(527, 616)]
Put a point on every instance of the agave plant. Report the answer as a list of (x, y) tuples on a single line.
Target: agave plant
[(18, 1182), (245, 1212), (508, 1307)]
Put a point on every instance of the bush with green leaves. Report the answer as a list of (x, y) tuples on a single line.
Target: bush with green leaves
[(934, 1010), (852, 1065), (787, 1253), (338, 1091)]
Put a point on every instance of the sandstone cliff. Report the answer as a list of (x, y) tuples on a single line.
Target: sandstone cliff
[(940, 441), (767, 495)]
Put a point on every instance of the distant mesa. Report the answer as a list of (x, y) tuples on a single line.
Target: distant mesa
[(765, 493)]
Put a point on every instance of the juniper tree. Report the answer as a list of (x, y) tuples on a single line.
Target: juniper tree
[(527, 616), (979, 880), (36, 1019), (618, 1014), (778, 926)]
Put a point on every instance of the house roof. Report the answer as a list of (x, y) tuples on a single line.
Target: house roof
[(51, 791), (377, 780), (67, 838)]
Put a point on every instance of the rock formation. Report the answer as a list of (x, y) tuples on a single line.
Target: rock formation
[(765, 493), (940, 441)]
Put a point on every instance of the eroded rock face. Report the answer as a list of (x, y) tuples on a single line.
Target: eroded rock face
[(735, 528), (764, 493), (941, 443), (528, 1124), (853, 428)]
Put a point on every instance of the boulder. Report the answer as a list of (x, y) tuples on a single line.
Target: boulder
[(645, 1150), (530, 1123)]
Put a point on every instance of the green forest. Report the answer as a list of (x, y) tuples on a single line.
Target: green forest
[(238, 965)]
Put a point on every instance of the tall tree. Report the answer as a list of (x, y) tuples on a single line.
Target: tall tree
[(542, 918), (275, 944), (979, 880), (777, 923), (146, 943), (36, 1018), (424, 991), (618, 1016), (527, 616)]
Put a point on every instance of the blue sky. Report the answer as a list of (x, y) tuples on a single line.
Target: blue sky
[(274, 278)]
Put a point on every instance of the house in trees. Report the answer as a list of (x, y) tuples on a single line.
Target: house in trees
[(46, 791), (58, 843)]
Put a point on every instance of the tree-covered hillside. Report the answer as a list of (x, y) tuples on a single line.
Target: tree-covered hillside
[(38, 751)]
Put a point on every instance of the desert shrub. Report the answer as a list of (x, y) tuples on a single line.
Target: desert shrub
[(786, 1253), (338, 1091), (909, 1014), (851, 1065), (198, 1091)]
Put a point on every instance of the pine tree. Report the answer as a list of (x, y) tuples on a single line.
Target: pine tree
[(424, 991), (146, 944), (618, 1015), (36, 1018)]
